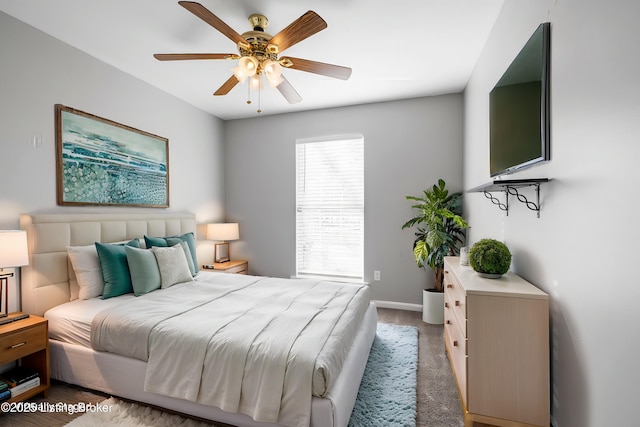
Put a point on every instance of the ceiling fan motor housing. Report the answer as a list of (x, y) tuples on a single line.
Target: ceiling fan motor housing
[(259, 40), (259, 22)]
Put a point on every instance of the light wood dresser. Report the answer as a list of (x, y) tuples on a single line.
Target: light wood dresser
[(496, 334)]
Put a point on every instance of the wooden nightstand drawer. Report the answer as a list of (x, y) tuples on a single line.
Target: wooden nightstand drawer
[(240, 269), (27, 340), (233, 267), (22, 342)]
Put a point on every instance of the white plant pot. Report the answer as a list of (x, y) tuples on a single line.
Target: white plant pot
[(433, 307)]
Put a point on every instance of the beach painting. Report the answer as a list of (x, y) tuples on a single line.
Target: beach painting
[(101, 162)]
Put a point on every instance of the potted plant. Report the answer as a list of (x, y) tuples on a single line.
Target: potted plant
[(490, 258), (440, 232)]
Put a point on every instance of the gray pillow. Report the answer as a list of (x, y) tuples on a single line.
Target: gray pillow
[(173, 265)]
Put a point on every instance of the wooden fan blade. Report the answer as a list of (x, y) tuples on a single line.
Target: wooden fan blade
[(227, 86), (330, 70), (188, 56), (203, 13), (289, 92), (303, 27)]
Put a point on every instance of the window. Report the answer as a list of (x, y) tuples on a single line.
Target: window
[(330, 208)]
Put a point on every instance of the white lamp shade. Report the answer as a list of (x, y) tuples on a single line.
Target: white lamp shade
[(247, 67), (273, 71), (13, 248), (240, 74), (249, 64), (256, 82), (223, 231)]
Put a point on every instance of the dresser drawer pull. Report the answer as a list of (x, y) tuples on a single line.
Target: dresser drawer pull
[(17, 345), (446, 305), (455, 343), (449, 322), (449, 285), (457, 303)]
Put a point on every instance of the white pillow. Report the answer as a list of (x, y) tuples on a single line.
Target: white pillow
[(86, 266), (173, 266)]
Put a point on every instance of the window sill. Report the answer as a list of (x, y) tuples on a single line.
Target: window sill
[(332, 279)]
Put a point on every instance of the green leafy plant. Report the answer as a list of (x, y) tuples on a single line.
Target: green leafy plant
[(490, 256), (440, 228)]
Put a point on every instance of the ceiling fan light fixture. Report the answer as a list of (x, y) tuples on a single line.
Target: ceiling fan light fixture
[(255, 82), (240, 74), (247, 67), (258, 52), (273, 72)]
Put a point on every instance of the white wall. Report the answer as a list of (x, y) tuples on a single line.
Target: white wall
[(408, 146), (582, 249), (38, 71)]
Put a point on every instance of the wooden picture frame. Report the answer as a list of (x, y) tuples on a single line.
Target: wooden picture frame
[(103, 163)]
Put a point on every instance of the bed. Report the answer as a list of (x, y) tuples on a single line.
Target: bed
[(49, 288)]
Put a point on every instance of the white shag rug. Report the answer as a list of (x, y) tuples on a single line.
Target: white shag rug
[(116, 412)]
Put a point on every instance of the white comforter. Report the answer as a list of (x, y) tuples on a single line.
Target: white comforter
[(246, 344)]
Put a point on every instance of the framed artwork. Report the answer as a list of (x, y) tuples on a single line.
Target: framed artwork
[(104, 163)]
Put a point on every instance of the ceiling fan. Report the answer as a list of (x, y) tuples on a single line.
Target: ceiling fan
[(258, 52)]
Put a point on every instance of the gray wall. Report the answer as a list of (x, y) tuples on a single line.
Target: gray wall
[(408, 146), (38, 71), (582, 250)]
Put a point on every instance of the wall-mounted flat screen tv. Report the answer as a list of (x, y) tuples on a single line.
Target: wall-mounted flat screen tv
[(519, 109)]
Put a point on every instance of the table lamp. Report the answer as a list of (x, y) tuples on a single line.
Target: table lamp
[(223, 232), (13, 253)]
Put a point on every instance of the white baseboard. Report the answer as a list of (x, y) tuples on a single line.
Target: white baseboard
[(398, 305)]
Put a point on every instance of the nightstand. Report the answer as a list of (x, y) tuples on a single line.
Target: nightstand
[(235, 267), (27, 340)]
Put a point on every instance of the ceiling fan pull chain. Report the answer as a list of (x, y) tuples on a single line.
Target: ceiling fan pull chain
[(248, 94), (259, 90)]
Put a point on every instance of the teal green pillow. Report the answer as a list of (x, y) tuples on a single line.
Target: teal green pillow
[(155, 241), (143, 267), (115, 269), (189, 238)]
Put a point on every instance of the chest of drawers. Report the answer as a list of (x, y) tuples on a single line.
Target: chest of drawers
[(497, 337)]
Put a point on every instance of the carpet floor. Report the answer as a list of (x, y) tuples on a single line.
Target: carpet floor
[(438, 404)]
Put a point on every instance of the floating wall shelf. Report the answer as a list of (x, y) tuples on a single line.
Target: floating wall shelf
[(510, 187)]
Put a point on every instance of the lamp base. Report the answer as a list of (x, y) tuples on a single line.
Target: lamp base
[(4, 292), (221, 252)]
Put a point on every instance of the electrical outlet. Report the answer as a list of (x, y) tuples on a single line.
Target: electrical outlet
[(376, 275)]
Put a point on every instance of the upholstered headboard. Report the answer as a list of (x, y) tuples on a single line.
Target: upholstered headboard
[(45, 281)]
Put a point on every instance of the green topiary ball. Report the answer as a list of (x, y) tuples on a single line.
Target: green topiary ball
[(490, 256)]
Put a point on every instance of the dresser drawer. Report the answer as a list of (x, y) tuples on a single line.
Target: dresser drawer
[(20, 343), (457, 348), (455, 300)]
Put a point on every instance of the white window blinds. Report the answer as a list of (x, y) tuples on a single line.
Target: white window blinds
[(330, 208)]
